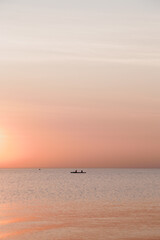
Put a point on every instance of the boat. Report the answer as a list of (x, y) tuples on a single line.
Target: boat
[(78, 172)]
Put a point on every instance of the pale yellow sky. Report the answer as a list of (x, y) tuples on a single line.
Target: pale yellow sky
[(80, 83)]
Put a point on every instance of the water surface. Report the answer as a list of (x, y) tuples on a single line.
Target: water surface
[(103, 204)]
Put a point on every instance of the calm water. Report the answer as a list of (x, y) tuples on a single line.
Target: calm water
[(103, 204)]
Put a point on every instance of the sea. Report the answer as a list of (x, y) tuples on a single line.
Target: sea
[(103, 204)]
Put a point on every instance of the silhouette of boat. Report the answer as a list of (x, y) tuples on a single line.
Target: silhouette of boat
[(78, 172)]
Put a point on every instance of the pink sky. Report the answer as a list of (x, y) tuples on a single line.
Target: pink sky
[(79, 86)]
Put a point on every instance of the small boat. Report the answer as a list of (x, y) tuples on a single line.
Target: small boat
[(78, 172)]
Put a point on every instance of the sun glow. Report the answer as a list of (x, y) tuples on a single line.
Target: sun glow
[(2, 139), (3, 144)]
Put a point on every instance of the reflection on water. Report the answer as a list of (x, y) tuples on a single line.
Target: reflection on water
[(104, 204)]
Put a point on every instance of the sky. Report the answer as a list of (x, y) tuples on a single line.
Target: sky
[(79, 83)]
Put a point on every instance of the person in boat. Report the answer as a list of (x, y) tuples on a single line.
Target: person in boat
[(75, 171), (81, 171)]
